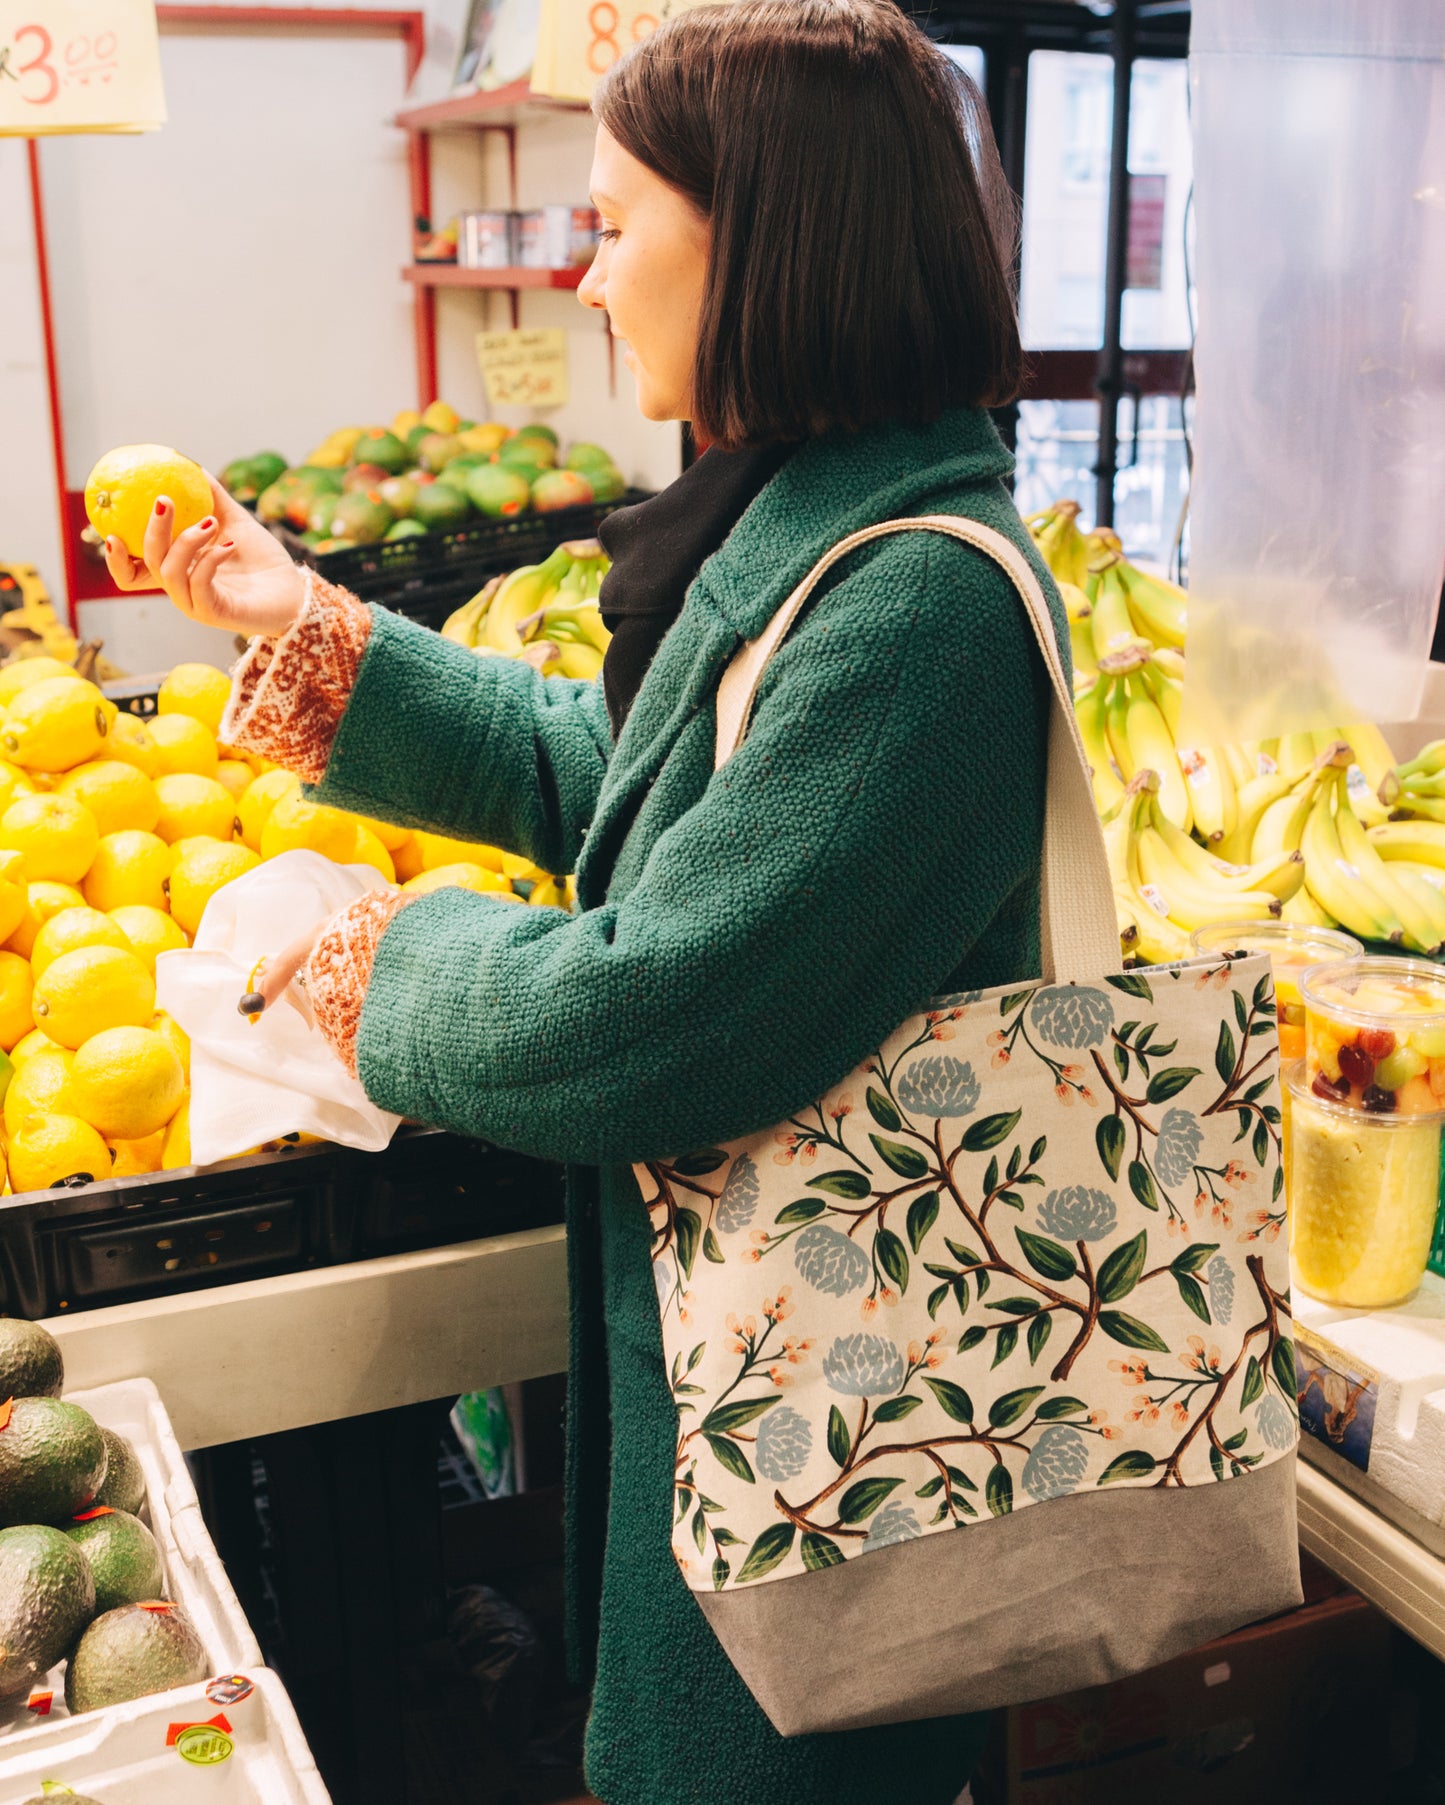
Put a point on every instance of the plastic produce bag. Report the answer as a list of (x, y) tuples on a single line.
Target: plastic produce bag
[(256, 1078), (1318, 531)]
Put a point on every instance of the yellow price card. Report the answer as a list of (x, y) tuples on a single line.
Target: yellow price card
[(524, 369), (79, 66), (578, 41)]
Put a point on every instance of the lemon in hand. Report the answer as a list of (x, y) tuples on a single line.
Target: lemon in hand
[(149, 931), (190, 806), (56, 724), (90, 990), (122, 490), (119, 796), (198, 690), (129, 868), (70, 930), (126, 1082), (50, 1148), (40, 1087), (56, 836), (202, 867)]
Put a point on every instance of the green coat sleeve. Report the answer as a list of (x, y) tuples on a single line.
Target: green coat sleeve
[(483, 749), (886, 804)]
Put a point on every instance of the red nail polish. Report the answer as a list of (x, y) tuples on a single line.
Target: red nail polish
[(226, 545), (160, 507), (208, 523)]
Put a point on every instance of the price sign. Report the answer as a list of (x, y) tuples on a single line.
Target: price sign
[(526, 369), (79, 66), (578, 41)]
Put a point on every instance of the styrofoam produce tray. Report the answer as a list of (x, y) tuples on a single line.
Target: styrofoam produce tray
[(195, 1577), (139, 1754)]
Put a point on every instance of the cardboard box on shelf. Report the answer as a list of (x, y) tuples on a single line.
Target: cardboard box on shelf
[(1292, 1708)]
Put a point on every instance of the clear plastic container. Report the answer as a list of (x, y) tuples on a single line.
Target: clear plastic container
[(1363, 1191), (1375, 1035), (1293, 948)]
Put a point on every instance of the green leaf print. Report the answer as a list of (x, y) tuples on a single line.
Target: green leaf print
[(698, 1165), (817, 1552), (1168, 1083), (731, 1456), (970, 1339), (1224, 1052), (1039, 1331), (882, 1111), (935, 1298), (1135, 1464), (1282, 1361), (1050, 1258), (852, 1185), (1260, 1143), (1110, 1138), (988, 1131), (687, 1225), (1132, 985), (1195, 1257), (840, 1439), (804, 1210), (891, 1409), (1012, 1405), (1192, 1292), (712, 1249), (892, 1257), (954, 1399), (1131, 1332), (999, 1491), (1120, 1272), (1008, 1340), (1053, 1408), (699, 1531), (907, 1162), (1141, 1183), (1253, 1387), (861, 1500), (769, 1549), (727, 1418), (922, 1214)]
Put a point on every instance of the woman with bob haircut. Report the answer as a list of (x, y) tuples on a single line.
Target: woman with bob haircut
[(804, 252)]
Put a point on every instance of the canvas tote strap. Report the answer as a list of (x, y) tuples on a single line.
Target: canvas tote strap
[(1078, 932)]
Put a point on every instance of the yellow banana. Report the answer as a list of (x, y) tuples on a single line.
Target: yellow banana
[(1242, 767), (1420, 911), (1372, 752), (1081, 638), (1112, 624), (1420, 841), (1335, 883), (1158, 608), (1251, 801), (1303, 911), (1151, 747), (1433, 875), (1061, 544), (1171, 661), (1296, 754), (1282, 825), (1212, 795), (583, 661), (1116, 711), (1167, 694), (1191, 904), (1161, 941), (1281, 877), (1089, 708)]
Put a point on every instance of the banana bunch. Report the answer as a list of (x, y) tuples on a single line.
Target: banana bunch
[(1231, 832), (547, 614)]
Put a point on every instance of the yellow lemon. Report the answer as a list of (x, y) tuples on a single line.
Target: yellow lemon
[(407, 858), (20, 673), (16, 987), (294, 823), (126, 1082), (183, 744), (90, 990), (56, 836), (387, 832), (32, 1043), (406, 421), (130, 1159), (49, 1148), (201, 868), (42, 900), (150, 931), (13, 899), (122, 490), (119, 796), (171, 1030), (370, 851), (41, 1087), (129, 867), (490, 436), (131, 742), (459, 876), (236, 775), (176, 1149), (190, 806), (199, 690), (71, 929), (259, 798), (56, 724), (438, 849), (440, 417), (13, 782)]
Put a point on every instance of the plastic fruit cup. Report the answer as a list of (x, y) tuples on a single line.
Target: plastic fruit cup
[(1375, 1035), (1363, 1193), (1293, 948)]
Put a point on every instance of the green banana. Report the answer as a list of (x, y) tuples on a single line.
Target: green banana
[(1419, 910)]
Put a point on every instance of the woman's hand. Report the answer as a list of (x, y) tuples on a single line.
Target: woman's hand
[(228, 571)]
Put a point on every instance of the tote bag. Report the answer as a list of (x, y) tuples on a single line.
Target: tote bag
[(982, 1362)]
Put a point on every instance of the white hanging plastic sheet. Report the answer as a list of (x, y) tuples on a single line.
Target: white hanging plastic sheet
[(1318, 511)]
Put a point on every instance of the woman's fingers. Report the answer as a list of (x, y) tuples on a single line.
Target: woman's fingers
[(272, 976), (157, 542), (205, 602), (225, 506), (175, 568), (126, 572)]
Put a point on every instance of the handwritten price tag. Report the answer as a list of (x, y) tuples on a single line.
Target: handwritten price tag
[(79, 66), (578, 41), (527, 369)]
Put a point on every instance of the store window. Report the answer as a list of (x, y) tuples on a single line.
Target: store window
[(1161, 170), (1153, 479), (969, 58), (1056, 450), (1066, 199)]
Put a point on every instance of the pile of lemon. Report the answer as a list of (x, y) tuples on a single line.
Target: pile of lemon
[(114, 835)]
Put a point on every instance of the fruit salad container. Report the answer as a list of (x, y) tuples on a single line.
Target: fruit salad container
[(1375, 1035), (1363, 1191), (1293, 949)]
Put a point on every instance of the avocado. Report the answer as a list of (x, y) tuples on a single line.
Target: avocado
[(382, 448), (123, 1556), (131, 1652), (538, 431), (440, 508), (526, 457), (239, 479), (267, 467), (47, 1596), (124, 1487), (31, 1365), (498, 491), (607, 481), (581, 455), (52, 1461)]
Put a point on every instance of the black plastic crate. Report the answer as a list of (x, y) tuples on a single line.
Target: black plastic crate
[(428, 576), (305, 1206)]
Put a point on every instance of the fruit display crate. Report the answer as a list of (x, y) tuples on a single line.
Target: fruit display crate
[(429, 576), (123, 1239), (232, 1740), (194, 1575)]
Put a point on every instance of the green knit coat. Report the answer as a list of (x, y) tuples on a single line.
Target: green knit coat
[(742, 940)]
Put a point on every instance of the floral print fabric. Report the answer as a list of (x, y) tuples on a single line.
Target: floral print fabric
[(1033, 1247)]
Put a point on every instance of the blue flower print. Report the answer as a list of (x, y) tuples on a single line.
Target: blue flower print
[(1219, 1276), (863, 1366), (894, 1523), (1276, 1423), (1071, 1015), (1180, 1138), (785, 1441), (739, 1196), (1056, 1463), (941, 1086), (829, 1261), (1078, 1213)]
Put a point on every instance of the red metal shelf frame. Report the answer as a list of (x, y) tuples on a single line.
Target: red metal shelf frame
[(453, 275)]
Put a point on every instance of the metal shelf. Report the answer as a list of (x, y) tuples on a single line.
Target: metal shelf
[(498, 107), (454, 275)]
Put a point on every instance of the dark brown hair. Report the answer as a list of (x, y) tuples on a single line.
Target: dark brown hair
[(861, 227)]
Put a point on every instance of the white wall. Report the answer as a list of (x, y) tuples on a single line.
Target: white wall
[(232, 282)]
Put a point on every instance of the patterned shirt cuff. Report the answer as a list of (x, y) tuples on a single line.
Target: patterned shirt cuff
[(339, 969), (288, 694)]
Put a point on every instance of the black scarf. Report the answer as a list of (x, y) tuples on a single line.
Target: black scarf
[(658, 547)]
